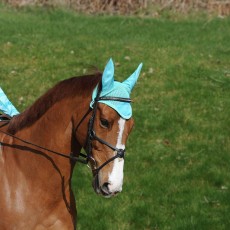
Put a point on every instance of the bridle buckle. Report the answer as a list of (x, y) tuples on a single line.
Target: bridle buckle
[(121, 153)]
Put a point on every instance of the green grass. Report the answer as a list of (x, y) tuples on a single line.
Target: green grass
[(177, 173)]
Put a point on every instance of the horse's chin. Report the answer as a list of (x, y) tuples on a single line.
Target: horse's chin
[(95, 184), (98, 190)]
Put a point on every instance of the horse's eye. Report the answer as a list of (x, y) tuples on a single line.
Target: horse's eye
[(104, 123)]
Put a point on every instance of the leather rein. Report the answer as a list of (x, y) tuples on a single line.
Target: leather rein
[(91, 135)]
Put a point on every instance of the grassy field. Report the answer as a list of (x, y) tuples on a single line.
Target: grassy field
[(177, 173)]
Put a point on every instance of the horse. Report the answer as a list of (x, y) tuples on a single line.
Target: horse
[(40, 147)]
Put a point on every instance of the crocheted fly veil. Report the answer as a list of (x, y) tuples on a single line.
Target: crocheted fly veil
[(111, 88), (6, 106)]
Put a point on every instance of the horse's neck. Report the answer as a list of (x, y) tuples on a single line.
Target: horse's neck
[(28, 169), (52, 131)]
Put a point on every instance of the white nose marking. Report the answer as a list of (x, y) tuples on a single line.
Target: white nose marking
[(116, 176)]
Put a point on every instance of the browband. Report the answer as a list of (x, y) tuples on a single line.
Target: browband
[(122, 99)]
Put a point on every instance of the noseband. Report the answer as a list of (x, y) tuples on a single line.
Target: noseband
[(91, 134)]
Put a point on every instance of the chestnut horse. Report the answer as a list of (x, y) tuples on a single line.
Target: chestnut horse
[(39, 148)]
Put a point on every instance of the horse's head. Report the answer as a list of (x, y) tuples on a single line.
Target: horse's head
[(113, 131), (109, 127)]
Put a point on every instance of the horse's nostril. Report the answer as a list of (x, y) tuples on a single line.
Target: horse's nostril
[(105, 188)]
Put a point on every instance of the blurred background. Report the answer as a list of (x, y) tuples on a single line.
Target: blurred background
[(133, 7)]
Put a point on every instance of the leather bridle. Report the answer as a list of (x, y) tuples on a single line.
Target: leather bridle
[(91, 135)]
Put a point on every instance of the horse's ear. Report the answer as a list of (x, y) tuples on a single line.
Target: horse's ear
[(131, 81), (108, 76)]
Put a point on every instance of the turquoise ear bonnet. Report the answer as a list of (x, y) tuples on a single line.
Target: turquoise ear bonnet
[(111, 88), (6, 106)]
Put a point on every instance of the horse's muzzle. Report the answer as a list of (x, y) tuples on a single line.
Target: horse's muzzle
[(103, 189)]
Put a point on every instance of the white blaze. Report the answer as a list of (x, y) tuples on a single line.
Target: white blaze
[(116, 176)]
